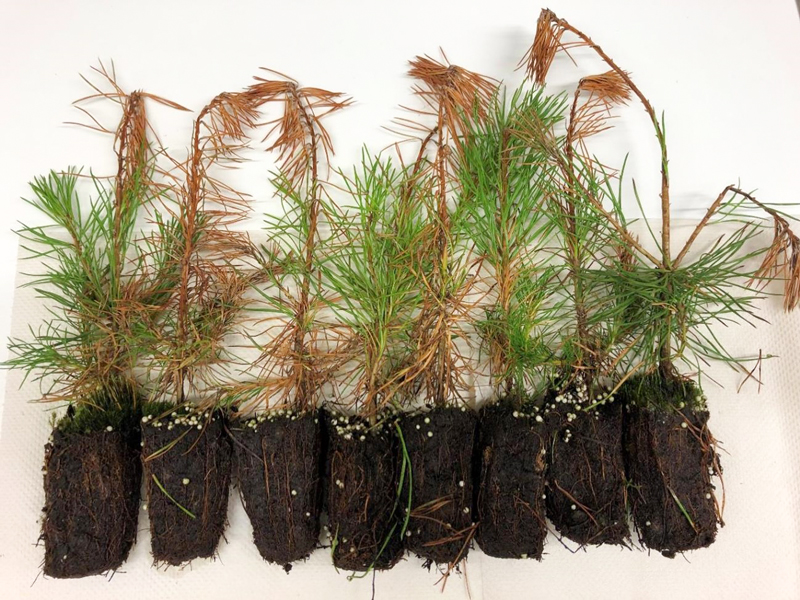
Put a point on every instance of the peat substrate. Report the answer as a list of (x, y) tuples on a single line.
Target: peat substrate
[(440, 446), (586, 477), (363, 503), (512, 462), (187, 470), (277, 459), (91, 482), (670, 458)]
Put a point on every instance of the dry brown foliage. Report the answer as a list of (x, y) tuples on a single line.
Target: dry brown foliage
[(780, 260), (546, 44), (302, 354), (616, 87), (453, 97), (590, 116), (205, 256), (133, 181)]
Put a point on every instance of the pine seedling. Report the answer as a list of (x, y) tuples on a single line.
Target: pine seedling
[(586, 499), (453, 98), (503, 206), (296, 361), (669, 307), (85, 352), (438, 440), (368, 267), (87, 349), (278, 448)]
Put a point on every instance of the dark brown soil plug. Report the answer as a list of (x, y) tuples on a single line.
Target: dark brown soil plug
[(91, 483), (187, 466), (586, 495), (512, 446), (440, 444), (670, 457), (364, 512), (278, 469)]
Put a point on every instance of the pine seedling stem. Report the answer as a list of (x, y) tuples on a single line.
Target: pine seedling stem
[(205, 255), (293, 364), (89, 344), (455, 97), (671, 294), (502, 204), (305, 393)]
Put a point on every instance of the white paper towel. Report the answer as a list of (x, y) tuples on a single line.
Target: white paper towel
[(755, 556)]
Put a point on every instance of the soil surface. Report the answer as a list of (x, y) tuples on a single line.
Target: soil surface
[(192, 463), (440, 445), (364, 511), (278, 470), (586, 495), (670, 466), (91, 484), (510, 499)]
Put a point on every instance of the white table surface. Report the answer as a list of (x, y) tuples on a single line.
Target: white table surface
[(727, 73)]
